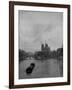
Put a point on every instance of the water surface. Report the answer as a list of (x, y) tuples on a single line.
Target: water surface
[(43, 68)]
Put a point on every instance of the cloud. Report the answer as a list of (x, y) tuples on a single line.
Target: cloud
[(36, 27)]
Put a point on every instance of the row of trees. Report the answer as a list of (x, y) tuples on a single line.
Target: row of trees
[(41, 55), (22, 55), (49, 54)]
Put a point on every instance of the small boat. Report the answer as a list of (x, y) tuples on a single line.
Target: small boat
[(30, 68)]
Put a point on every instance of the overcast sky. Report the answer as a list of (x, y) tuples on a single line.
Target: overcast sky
[(37, 27)]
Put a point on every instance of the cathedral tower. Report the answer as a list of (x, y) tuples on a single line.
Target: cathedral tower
[(42, 47)]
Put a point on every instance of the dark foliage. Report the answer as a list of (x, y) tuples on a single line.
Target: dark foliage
[(22, 55), (41, 55)]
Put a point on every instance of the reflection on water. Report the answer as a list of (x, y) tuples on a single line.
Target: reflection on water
[(42, 69)]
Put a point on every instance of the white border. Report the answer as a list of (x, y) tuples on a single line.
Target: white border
[(16, 63)]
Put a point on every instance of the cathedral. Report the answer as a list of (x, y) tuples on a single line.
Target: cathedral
[(45, 48), (44, 53)]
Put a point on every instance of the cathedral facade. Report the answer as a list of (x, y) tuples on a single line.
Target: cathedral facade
[(45, 48), (44, 53)]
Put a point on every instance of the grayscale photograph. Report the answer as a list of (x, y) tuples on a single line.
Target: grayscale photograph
[(40, 44)]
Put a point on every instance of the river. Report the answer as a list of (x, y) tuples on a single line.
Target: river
[(43, 68)]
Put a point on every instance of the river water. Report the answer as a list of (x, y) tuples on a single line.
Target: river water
[(43, 68)]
